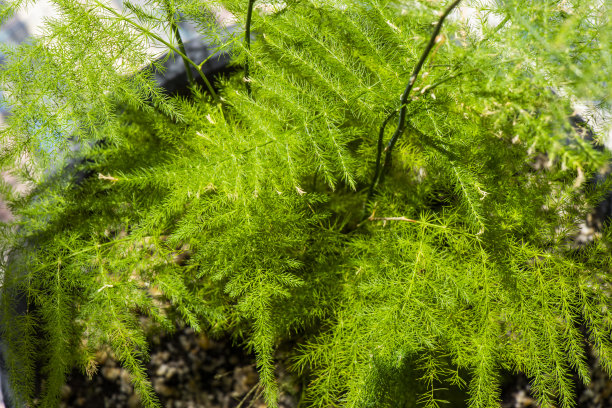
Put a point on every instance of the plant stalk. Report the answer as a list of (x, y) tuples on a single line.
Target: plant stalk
[(247, 42), (378, 172), (179, 39), (166, 43)]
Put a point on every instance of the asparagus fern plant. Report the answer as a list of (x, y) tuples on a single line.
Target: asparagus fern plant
[(364, 190)]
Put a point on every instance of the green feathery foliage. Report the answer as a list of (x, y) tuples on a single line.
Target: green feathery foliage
[(366, 192)]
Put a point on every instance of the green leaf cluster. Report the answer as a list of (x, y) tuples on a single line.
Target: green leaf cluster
[(259, 212)]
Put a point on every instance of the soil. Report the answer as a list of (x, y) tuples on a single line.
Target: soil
[(190, 370), (187, 370)]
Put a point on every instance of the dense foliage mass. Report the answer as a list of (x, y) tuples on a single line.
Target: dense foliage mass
[(367, 191)]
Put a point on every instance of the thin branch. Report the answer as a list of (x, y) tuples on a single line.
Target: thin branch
[(247, 41), (430, 141), (254, 388), (372, 218), (381, 135), (166, 43), (218, 50), (87, 249), (415, 73), (179, 39), (393, 219), (378, 172), (430, 88)]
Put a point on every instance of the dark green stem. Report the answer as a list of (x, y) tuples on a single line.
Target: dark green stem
[(179, 39), (166, 43), (415, 73), (378, 172), (247, 42), (381, 135)]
